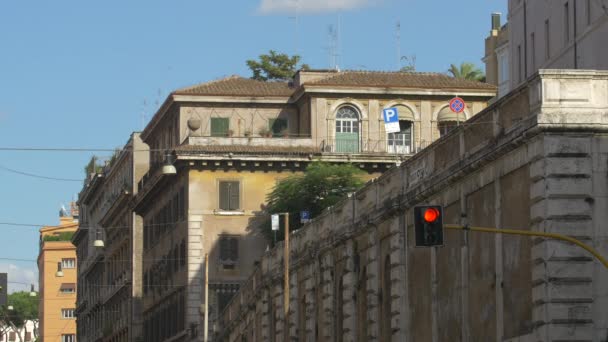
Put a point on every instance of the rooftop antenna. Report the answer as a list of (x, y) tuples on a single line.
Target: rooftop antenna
[(398, 38), (143, 114), (338, 47), (296, 23), (332, 37)]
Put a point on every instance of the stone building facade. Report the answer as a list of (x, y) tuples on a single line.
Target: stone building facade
[(109, 293), (534, 160), (230, 141)]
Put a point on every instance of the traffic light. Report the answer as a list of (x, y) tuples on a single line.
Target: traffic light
[(428, 225)]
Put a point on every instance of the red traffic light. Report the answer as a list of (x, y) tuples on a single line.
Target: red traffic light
[(431, 215)]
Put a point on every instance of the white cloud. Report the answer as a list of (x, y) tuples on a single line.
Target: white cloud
[(311, 6), (19, 277)]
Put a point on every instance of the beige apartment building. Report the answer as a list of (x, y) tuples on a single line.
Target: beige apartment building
[(195, 182), (57, 278), (547, 34)]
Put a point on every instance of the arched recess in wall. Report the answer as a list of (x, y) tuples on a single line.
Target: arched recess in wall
[(386, 332), (403, 141), (448, 120)]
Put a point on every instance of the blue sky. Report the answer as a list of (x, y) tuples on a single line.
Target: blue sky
[(84, 74)]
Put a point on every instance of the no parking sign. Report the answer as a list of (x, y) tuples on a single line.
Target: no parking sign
[(457, 105)]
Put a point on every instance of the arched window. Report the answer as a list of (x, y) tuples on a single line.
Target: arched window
[(347, 129), (448, 120), (402, 142)]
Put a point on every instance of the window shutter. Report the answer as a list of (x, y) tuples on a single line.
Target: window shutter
[(224, 249), (219, 127), (225, 195), (234, 196), (234, 249), (277, 126)]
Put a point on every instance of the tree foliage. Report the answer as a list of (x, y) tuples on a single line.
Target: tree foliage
[(322, 185), (467, 71), (25, 308), (275, 66)]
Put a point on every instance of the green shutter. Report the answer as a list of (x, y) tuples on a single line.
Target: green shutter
[(277, 126), (234, 249), (234, 196), (225, 195), (219, 127)]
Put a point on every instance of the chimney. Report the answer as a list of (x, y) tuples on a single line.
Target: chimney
[(305, 76), (496, 21)]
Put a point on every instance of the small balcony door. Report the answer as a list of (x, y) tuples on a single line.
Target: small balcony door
[(347, 130)]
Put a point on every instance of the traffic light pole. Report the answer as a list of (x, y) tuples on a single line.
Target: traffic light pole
[(588, 248)]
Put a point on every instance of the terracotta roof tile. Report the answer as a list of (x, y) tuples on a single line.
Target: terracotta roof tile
[(238, 86), (398, 79)]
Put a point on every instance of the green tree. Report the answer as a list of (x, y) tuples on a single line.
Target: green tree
[(322, 185), (467, 71), (24, 308), (275, 66)]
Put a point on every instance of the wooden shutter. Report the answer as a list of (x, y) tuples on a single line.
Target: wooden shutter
[(234, 249), (277, 126), (219, 127), (229, 196), (234, 196), (224, 249)]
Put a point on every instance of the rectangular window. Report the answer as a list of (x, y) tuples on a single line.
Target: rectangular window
[(278, 127), (519, 64), (67, 288), (68, 263), (67, 313), (28, 336), (12, 336), (220, 127), (566, 22), (229, 250), (533, 48), (229, 195), (547, 40), (68, 338)]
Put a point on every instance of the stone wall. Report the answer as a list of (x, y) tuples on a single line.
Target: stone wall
[(534, 160)]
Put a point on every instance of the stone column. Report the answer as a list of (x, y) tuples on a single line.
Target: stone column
[(562, 202)]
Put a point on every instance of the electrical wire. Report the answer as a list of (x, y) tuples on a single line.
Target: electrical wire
[(2, 167)]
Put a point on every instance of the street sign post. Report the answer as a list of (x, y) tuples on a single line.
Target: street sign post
[(391, 120), (304, 216), (457, 105), (274, 223)]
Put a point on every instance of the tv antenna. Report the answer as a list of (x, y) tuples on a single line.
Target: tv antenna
[(398, 42), (296, 19)]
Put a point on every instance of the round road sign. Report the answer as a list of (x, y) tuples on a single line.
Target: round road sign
[(457, 105)]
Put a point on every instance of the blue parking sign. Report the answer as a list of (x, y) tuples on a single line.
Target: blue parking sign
[(391, 120)]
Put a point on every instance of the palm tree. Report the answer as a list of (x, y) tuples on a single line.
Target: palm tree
[(467, 71)]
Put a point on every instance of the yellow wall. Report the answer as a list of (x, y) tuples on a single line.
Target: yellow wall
[(52, 325), (204, 200)]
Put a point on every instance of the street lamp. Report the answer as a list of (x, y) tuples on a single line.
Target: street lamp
[(32, 292), (59, 272), (168, 167), (98, 241)]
